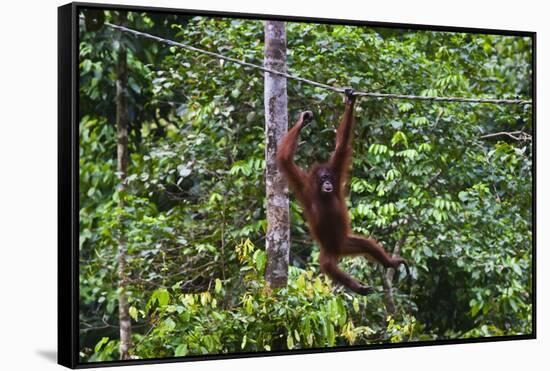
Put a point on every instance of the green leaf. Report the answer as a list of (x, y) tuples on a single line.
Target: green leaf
[(181, 350), (513, 304), (356, 305), (289, 342), (517, 269), (250, 116), (161, 296), (404, 107), (183, 170), (476, 307), (100, 343), (330, 334), (133, 313), (218, 287), (427, 251), (399, 137), (301, 282), (396, 124), (169, 323), (260, 258), (420, 121)]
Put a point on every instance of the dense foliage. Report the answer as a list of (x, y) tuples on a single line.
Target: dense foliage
[(424, 175)]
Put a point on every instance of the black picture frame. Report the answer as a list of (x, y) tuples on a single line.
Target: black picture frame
[(68, 182)]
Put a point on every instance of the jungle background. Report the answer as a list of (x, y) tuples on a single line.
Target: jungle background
[(439, 179)]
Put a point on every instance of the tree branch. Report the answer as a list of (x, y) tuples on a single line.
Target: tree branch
[(516, 135)]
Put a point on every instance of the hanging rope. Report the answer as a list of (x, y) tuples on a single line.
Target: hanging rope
[(311, 82)]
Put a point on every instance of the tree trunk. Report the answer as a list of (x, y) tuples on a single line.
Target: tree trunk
[(387, 277), (122, 167), (276, 126)]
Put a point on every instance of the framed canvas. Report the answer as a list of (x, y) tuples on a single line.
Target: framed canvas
[(239, 185)]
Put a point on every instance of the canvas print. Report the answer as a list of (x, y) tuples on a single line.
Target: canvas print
[(251, 186)]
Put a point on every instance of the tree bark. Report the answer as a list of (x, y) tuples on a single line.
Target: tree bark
[(122, 167), (276, 126), (387, 277)]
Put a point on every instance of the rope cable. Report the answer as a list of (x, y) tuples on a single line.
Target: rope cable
[(311, 82)]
